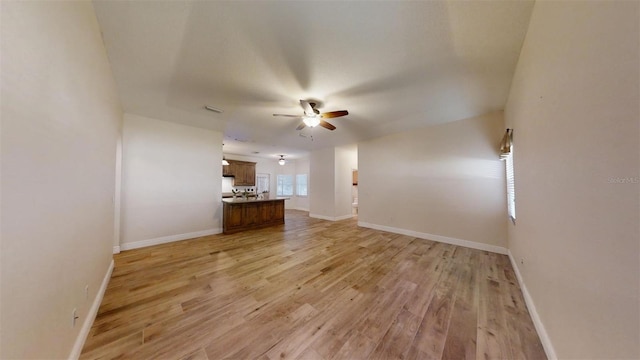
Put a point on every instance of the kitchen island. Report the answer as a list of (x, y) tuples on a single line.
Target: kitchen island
[(244, 214)]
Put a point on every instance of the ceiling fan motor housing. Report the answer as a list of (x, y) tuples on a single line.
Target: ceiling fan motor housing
[(312, 116)]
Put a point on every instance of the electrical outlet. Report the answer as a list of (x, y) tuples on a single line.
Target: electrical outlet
[(74, 317), (86, 292)]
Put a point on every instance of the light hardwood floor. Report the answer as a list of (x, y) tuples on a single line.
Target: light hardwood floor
[(312, 289)]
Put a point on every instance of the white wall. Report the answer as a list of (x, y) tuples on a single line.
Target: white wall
[(322, 183), (171, 182), (60, 121), (330, 182), (443, 182), (117, 197), (346, 162), (302, 167), (574, 109)]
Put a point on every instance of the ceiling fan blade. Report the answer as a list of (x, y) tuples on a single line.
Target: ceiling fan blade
[(308, 110), (301, 126), (334, 114), (326, 125), (287, 115)]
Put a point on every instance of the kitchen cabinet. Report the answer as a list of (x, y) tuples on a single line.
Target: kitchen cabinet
[(243, 172), (247, 173), (227, 170), (240, 214)]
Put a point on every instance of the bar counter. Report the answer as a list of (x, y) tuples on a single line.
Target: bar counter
[(244, 214)]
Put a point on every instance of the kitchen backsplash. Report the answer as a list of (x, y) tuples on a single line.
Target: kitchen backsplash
[(227, 186)]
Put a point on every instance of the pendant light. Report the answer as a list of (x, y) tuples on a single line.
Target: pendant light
[(224, 161), (281, 161)]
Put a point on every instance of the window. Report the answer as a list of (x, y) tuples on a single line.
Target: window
[(511, 191), (285, 185), (262, 183), (301, 185), (506, 154)]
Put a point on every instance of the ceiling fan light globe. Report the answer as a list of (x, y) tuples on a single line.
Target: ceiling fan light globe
[(311, 121)]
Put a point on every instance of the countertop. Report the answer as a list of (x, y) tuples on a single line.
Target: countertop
[(244, 201), (230, 194)]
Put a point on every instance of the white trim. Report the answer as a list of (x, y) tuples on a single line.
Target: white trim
[(116, 249), (301, 209), (322, 217), (168, 239), (343, 217), (439, 238), (542, 332), (91, 315), (335, 218)]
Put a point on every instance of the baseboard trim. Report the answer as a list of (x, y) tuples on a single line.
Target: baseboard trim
[(321, 217), (116, 249), (91, 315), (438, 238), (336, 218), (542, 332), (301, 209), (168, 239), (343, 217)]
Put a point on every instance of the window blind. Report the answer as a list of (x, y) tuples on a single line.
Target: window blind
[(285, 185), (301, 185), (511, 191), (506, 154), (262, 183)]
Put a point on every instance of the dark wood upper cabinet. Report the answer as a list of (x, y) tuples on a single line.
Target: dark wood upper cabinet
[(243, 172), (226, 170)]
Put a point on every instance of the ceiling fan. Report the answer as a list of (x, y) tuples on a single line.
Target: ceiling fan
[(312, 116)]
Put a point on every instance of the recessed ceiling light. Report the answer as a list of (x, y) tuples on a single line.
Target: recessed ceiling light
[(211, 108)]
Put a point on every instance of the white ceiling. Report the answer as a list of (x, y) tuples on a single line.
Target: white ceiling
[(395, 66)]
